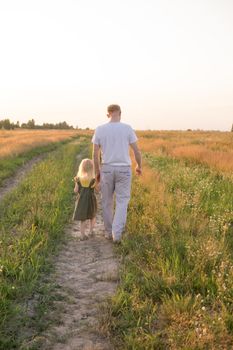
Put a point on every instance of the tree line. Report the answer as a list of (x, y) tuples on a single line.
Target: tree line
[(8, 125)]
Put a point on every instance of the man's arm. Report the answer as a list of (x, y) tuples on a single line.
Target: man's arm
[(137, 156), (95, 155)]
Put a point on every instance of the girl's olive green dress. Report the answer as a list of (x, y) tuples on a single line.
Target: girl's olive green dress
[(86, 204)]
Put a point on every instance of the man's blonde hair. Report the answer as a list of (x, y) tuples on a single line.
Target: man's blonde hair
[(113, 108)]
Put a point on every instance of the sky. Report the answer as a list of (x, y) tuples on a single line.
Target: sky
[(167, 63)]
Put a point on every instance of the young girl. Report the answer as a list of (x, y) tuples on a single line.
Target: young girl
[(86, 204)]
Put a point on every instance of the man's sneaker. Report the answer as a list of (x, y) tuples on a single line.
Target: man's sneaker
[(117, 241)]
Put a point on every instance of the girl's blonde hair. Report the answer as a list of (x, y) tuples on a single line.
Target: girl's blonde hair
[(86, 169)]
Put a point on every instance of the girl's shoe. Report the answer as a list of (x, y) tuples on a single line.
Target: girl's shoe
[(108, 236), (91, 233), (84, 237)]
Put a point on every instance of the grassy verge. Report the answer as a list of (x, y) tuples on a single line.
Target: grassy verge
[(32, 218), (176, 289), (9, 165)]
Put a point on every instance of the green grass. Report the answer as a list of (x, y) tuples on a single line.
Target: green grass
[(9, 165), (32, 219), (204, 189), (176, 289)]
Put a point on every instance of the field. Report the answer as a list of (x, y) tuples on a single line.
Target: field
[(214, 149), (19, 146), (175, 288), (15, 142)]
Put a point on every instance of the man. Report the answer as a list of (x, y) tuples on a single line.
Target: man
[(113, 140)]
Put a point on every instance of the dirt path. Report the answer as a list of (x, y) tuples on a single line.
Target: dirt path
[(13, 181), (86, 272)]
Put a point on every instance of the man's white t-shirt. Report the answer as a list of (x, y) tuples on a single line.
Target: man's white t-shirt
[(114, 139)]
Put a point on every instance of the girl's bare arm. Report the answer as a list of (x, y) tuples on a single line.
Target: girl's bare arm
[(75, 186)]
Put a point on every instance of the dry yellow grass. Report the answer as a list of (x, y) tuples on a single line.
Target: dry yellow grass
[(212, 148), (14, 142)]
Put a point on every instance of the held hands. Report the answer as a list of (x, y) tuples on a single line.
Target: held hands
[(97, 177), (97, 187), (138, 170)]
